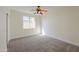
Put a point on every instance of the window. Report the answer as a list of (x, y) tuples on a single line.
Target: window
[(28, 22)]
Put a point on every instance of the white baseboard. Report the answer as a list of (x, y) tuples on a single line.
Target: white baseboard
[(64, 40), (24, 36)]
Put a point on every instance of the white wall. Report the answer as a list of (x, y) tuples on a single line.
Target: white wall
[(62, 23), (16, 26), (3, 38)]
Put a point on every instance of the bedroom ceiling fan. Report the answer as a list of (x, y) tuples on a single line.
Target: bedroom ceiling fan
[(39, 11)]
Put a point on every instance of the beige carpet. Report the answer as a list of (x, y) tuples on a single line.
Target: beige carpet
[(40, 44)]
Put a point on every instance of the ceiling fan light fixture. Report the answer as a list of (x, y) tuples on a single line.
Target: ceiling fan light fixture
[(39, 11)]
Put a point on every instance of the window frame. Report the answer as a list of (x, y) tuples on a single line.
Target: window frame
[(29, 23)]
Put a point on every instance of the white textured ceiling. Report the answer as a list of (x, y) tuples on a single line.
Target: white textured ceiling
[(22, 8), (27, 9)]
